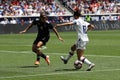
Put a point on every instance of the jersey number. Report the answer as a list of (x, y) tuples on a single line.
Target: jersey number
[(84, 29)]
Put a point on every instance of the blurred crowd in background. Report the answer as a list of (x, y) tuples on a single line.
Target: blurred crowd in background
[(93, 6), (55, 8), (30, 7)]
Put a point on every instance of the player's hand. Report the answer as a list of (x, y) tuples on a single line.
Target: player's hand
[(90, 27), (22, 31), (61, 39)]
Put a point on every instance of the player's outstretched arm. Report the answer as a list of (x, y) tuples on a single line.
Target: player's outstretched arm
[(56, 32), (60, 25), (65, 24), (26, 29)]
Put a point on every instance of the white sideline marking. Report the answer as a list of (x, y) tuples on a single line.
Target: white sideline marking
[(14, 45), (58, 73), (30, 52)]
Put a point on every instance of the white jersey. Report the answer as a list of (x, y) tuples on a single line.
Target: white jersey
[(81, 27)]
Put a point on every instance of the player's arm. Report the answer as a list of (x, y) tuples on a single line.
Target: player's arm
[(65, 24), (27, 28), (56, 32), (90, 27), (60, 25)]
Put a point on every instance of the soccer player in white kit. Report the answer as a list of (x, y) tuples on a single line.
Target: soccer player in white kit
[(81, 27)]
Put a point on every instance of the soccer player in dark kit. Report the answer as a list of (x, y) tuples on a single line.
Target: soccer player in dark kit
[(42, 37)]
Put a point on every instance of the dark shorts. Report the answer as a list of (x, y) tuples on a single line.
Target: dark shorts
[(42, 39)]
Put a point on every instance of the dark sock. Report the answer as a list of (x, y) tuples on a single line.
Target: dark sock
[(43, 55), (71, 53), (38, 57)]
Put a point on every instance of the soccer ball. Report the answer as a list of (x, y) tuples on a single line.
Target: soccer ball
[(78, 64)]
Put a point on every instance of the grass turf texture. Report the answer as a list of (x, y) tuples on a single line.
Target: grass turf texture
[(17, 59)]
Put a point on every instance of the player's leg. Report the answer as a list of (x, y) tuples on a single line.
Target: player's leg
[(81, 46), (70, 54), (40, 53), (34, 49), (84, 59), (46, 57)]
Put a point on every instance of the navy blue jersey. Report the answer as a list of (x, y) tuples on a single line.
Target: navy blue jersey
[(43, 28)]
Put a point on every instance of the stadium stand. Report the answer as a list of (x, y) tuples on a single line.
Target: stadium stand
[(24, 11), (16, 14), (30, 7), (93, 6)]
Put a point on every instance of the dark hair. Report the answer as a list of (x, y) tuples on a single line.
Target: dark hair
[(77, 13), (42, 15)]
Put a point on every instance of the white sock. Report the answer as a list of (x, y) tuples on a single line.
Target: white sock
[(69, 55), (85, 60)]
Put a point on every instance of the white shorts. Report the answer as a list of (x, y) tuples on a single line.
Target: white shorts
[(80, 44)]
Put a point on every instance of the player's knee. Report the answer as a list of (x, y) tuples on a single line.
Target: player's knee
[(73, 48), (34, 50)]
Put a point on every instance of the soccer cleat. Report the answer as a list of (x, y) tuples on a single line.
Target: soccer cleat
[(91, 66), (37, 62), (63, 59), (47, 60), (42, 48)]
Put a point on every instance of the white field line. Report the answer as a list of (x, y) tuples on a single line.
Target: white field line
[(58, 73), (30, 52), (14, 45)]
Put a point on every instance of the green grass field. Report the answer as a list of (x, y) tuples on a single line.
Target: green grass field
[(17, 59)]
